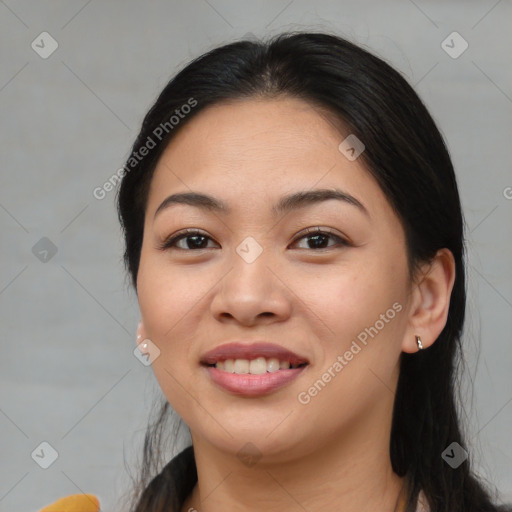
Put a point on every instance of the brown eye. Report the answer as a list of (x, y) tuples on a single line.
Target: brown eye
[(319, 239), (194, 240), (197, 240)]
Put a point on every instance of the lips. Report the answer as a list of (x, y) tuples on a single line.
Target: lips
[(283, 367)]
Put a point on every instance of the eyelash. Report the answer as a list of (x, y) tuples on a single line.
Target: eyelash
[(169, 243)]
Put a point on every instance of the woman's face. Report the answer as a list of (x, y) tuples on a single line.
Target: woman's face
[(336, 299)]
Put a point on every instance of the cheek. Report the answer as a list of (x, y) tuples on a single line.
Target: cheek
[(350, 300), (163, 303), (364, 311), (173, 301), (165, 296), (364, 308)]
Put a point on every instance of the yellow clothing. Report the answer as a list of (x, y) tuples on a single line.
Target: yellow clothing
[(74, 503)]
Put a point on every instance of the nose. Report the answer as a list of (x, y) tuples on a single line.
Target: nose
[(252, 293)]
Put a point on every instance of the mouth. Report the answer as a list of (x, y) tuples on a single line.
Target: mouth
[(252, 370), (258, 366), (254, 358)]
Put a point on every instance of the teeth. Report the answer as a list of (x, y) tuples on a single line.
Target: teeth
[(257, 366), (273, 365), (241, 366)]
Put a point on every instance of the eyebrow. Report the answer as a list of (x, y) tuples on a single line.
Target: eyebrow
[(286, 203)]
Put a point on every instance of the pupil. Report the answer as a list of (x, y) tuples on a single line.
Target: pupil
[(316, 237), (196, 245)]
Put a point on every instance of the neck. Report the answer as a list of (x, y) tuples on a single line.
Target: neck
[(350, 472)]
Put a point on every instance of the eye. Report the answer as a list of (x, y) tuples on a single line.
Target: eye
[(319, 237), (193, 238), (197, 240)]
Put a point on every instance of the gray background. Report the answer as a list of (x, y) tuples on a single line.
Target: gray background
[(68, 374)]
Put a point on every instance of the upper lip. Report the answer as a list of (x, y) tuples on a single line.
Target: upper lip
[(241, 350)]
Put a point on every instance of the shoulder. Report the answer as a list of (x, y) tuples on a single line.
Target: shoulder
[(74, 503)]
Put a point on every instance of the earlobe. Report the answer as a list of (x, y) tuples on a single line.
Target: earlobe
[(431, 302), (140, 337)]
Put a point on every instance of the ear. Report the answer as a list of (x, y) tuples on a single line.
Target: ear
[(140, 333), (431, 292)]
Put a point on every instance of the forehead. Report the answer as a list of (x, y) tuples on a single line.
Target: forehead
[(254, 130), (252, 151)]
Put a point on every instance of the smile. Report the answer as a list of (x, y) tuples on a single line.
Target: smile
[(252, 369), (258, 366)]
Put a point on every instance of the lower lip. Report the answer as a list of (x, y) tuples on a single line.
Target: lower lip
[(246, 384)]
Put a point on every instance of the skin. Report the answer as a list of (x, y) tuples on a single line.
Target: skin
[(332, 453)]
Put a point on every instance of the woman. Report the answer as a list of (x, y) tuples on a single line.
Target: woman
[(294, 233)]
